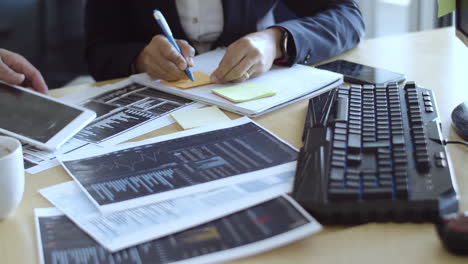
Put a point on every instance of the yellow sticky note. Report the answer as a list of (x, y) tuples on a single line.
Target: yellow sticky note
[(243, 92), (445, 7), (199, 117), (200, 79)]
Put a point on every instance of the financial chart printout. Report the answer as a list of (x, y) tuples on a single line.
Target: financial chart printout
[(123, 229), (124, 110), (173, 164), (259, 228)]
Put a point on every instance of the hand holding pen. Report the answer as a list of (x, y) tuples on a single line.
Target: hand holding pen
[(162, 60)]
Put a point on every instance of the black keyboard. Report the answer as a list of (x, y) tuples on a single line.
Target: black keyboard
[(374, 153)]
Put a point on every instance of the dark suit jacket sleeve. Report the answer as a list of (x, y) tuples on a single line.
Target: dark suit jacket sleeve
[(335, 28), (110, 45)]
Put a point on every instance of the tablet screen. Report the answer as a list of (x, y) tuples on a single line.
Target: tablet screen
[(31, 115)]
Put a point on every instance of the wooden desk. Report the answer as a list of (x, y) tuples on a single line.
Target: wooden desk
[(434, 59)]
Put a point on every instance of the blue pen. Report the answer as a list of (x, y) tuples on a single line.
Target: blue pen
[(168, 33)]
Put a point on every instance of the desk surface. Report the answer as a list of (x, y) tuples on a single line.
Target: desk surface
[(434, 59)]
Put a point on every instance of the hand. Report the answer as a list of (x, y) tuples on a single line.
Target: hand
[(162, 61), (249, 56), (16, 70)]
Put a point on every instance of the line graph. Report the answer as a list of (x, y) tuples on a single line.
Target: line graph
[(177, 163)]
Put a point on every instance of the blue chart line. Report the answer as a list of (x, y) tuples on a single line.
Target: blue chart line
[(126, 164)]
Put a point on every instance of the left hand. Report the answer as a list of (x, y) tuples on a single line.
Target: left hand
[(249, 56), (16, 70)]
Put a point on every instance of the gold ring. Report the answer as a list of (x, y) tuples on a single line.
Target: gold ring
[(246, 75)]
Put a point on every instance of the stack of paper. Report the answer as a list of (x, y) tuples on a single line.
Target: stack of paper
[(288, 84), (176, 198)]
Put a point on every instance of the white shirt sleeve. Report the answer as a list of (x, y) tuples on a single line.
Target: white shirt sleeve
[(202, 21)]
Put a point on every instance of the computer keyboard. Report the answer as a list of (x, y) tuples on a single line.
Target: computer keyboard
[(374, 153)]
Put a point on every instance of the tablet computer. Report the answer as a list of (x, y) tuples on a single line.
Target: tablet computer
[(356, 73), (38, 119)]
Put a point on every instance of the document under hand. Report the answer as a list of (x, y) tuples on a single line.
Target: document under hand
[(289, 84)]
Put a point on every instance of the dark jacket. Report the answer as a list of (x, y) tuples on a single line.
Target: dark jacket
[(117, 30)]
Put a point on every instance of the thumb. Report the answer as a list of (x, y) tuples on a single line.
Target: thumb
[(10, 76)]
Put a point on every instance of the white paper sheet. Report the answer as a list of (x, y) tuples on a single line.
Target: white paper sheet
[(38, 160), (126, 228), (289, 83), (201, 244), (135, 198)]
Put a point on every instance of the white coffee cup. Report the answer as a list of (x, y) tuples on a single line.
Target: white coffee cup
[(11, 175)]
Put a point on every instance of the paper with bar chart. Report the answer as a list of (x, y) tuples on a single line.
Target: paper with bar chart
[(124, 110), (179, 164), (251, 231)]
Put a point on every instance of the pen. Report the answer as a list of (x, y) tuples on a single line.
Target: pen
[(168, 33)]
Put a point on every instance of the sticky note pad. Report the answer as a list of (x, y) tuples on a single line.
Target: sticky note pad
[(199, 117), (200, 79), (243, 92)]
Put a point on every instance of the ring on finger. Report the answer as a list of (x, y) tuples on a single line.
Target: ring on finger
[(246, 75)]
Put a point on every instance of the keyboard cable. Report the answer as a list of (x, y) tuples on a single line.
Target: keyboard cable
[(446, 142)]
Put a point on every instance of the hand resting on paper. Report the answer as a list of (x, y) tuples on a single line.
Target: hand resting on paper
[(249, 56), (162, 61), (16, 70)]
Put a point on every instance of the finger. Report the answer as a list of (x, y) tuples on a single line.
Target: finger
[(187, 51), (164, 69), (10, 76), (158, 65), (33, 77), (246, 75), (37, 81), (232, 57), (170, 53), (239, 71)]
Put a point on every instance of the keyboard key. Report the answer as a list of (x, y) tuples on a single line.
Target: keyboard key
[(337, 174), (354, 143), (339, 144), (377, 193), (441, 163), (336, 194), (352, 184), (401, 192), (354, 159), (342, 109), (398, 140), (372, 146)]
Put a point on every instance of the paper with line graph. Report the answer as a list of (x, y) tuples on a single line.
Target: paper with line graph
[(123, 229), (179, 164)]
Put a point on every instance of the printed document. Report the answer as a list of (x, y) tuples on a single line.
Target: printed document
[(179, 164), (124, 111), (126, 228), (265, 226)]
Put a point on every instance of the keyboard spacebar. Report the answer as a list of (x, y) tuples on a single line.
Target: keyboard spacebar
[(375, 145)]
